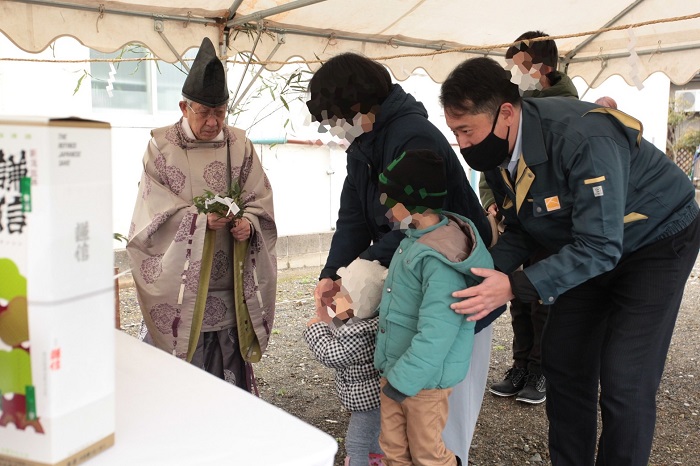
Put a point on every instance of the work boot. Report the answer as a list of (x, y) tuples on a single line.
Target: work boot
[(513, 383), (534, 391)]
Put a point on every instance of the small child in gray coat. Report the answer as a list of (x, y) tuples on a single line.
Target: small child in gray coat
[(344, 339)]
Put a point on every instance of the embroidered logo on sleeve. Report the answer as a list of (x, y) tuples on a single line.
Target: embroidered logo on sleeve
[(552, 203), (597, 191)]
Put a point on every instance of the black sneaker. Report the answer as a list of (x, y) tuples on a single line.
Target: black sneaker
[(512, 384), (534, 391)]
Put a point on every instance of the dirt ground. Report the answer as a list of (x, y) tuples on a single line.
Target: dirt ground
[(508, 433)]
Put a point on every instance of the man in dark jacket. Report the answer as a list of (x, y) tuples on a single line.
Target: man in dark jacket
[(356, 97), (621, 223)]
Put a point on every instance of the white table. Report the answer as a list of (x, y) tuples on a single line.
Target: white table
[(171, 413)]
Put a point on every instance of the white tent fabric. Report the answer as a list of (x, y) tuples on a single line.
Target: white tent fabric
[(403, 34)]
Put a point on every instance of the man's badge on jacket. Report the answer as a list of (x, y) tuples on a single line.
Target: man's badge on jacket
[(552, 203)]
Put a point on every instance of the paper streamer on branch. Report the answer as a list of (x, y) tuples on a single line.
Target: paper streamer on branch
[(110, 80), (636, 67), (232, 207)]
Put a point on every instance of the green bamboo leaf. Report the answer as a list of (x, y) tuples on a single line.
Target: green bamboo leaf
[(80, 81), (284, 102)]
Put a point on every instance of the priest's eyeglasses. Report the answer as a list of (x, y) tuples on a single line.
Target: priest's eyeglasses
[(219, 113)]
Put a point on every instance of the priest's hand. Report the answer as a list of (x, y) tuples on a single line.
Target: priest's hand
[(483, 298), (242, 229), (216, 221)]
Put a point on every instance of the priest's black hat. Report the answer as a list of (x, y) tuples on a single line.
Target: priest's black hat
[(206, 83)]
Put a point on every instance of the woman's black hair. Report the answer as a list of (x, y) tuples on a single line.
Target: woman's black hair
[(348, 84)]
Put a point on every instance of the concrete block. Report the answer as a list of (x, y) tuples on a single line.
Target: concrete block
[(304, 260), (326, 241), (292, 252), (121, 260), (281, 247), (303, 244)]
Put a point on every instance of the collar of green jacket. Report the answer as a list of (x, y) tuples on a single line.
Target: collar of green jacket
[(562, 86)]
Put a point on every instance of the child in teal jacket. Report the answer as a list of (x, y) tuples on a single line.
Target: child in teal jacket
[(423, 346)]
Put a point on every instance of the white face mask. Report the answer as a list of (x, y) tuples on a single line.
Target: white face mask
[(526, 80), (344, 129), (403, 224)]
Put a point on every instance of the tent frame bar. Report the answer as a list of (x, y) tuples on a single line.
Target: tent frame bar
[(604, 57), (402, 43), (233, 9), (97, 9), (498, 53), (569, 56), (566, 60), (258, 15)]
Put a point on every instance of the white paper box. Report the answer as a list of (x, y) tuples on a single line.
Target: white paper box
[(56, 292)]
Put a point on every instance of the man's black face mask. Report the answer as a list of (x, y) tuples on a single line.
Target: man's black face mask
[(489, 153)]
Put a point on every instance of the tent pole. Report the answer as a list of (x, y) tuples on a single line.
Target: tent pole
[(159, 27), (233, 9), (374, 40), (250, 59), (271, 11), (676, 48), (280, 41), (569, 56)]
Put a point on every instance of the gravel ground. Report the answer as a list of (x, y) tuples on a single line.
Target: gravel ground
[(508, 433)]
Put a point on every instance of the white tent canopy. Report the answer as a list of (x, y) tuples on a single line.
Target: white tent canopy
[(594, 37)]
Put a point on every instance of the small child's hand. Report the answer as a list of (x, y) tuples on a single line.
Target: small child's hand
[(312, 321), (322, 315)]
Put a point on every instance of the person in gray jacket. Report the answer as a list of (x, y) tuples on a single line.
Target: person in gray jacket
[(621, 223)]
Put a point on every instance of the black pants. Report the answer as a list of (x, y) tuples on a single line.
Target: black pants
[(614, 330), (528, 321)]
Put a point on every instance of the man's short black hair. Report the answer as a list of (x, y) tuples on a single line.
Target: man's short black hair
[(347, 84), (541, 51), (478, 85)]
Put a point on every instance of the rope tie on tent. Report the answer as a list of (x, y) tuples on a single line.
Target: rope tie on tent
[(189, 19), (636, 66), (331, 41), (603, 64), (658, 50), (100, 16)]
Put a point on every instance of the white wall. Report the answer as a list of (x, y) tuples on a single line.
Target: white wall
[(306, 181), (649, 105)]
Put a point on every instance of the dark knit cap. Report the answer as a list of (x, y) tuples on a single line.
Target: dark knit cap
[(417, 179), (206, 83)]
